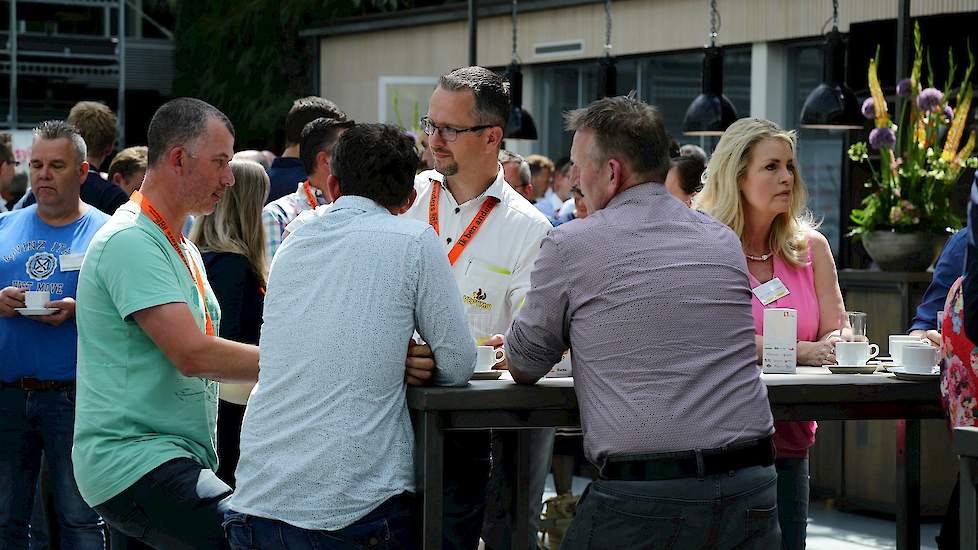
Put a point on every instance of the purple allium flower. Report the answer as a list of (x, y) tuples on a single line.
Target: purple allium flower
[(882, 138), (903, 87), (949, 113), (929, 99), (869, 108)]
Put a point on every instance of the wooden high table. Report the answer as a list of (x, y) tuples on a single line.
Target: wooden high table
[(811, 394)]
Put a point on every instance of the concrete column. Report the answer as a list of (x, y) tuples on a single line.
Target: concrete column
[(768, 84)]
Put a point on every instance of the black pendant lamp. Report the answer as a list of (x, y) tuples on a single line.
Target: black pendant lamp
[(520, 124), (832, 105), (711, 112), (607, 72)]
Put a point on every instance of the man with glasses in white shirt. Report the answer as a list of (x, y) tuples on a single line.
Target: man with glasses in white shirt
[(491, 235)]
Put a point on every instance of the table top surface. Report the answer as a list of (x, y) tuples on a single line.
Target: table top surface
[(809, 386)]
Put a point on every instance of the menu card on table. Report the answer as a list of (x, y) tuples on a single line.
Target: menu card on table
[(780, 340)]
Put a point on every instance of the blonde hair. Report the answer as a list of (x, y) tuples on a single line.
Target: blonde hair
[(235, 225), (721, 196)]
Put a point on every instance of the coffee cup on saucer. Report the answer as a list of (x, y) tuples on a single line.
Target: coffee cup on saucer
[(855, 353), (488, 357), (920, 358), (36, 299)]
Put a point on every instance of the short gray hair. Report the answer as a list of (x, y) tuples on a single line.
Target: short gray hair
[(59, 129), (181, 121), (491, 92), (626, 129), (506, 157)]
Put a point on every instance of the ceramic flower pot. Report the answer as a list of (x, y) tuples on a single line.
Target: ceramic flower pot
[(894, 251)]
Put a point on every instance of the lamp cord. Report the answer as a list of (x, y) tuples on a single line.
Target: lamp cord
[(607, 28), (514, 31), (715, 23)]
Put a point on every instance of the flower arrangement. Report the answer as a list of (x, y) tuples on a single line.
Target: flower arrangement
[(919, 162)]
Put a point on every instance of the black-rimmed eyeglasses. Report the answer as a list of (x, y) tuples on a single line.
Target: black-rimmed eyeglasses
[(447, 133)]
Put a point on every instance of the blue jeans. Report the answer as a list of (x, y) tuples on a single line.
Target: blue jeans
[(179, 505), (32, 422), (388, 526), (792, 501), (737, 510)]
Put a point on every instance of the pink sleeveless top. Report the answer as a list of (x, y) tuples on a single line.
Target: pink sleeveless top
[(792, 439)]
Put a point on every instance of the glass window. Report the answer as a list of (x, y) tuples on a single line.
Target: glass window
[(671, 81), (819, 151), (561, 88)]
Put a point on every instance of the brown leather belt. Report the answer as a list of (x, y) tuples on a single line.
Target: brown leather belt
[(33, 384), (682, 464)]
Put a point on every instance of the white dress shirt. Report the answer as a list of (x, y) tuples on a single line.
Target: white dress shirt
[(493, 271)]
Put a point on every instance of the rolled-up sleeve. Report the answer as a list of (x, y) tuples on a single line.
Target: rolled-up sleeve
[(540, 333)]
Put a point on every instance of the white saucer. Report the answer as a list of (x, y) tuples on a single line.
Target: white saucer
[(852, 369), (487, 375), (33, 312), (902, 374)]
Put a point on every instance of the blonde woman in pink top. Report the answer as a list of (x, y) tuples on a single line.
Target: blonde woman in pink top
[(754, 187)]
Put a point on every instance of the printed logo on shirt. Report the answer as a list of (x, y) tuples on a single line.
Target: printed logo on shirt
[(477, 299), (42, 265)]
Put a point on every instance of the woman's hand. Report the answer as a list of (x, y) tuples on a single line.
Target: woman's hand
[(816, 354)]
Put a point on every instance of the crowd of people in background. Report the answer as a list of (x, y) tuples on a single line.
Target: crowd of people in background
[(307, 290)]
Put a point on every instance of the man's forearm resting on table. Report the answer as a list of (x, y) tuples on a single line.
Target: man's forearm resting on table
[(524, 363), (173, 329)]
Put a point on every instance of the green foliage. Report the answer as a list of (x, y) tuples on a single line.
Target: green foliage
[(913, 180), (246, 57)]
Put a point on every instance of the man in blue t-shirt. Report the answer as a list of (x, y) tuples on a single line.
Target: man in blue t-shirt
[(41, 249)]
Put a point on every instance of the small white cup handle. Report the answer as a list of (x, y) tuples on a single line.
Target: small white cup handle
[(874, 350), (498, 355)]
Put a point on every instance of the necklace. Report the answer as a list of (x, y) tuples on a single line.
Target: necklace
[(761, 258)]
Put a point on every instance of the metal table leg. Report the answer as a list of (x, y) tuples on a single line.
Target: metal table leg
[(969, 507), (908, 484), (432, 453), (521, 492)]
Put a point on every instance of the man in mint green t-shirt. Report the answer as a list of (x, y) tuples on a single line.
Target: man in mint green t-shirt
[(148, 358)]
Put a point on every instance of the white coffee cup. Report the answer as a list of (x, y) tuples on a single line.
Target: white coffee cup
[(36, 299), (897, 341), (920, 358), (855, 353), (488, 357)]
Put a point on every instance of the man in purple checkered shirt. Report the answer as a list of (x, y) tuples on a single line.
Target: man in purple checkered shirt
[(653, 299)]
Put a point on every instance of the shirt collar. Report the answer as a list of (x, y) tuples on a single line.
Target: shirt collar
[(496, 188), (648, 188), (356, 202), (315, 191)]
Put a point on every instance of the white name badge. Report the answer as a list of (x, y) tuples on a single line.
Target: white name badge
[(770, 291), (71, 262)]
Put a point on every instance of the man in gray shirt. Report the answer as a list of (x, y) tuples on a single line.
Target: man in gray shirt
[(327, 449), (653, 299)]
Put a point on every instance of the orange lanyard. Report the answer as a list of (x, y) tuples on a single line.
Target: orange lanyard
[(309, 196), (155, 215), (470, 231)]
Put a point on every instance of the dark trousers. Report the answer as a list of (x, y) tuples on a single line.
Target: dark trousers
[(178, 505), (792, 502), (229, 418), (388, 526), (466, 475), (725, 511)]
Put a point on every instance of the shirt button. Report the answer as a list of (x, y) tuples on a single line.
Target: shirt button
[(448, 240), (457, 210)]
